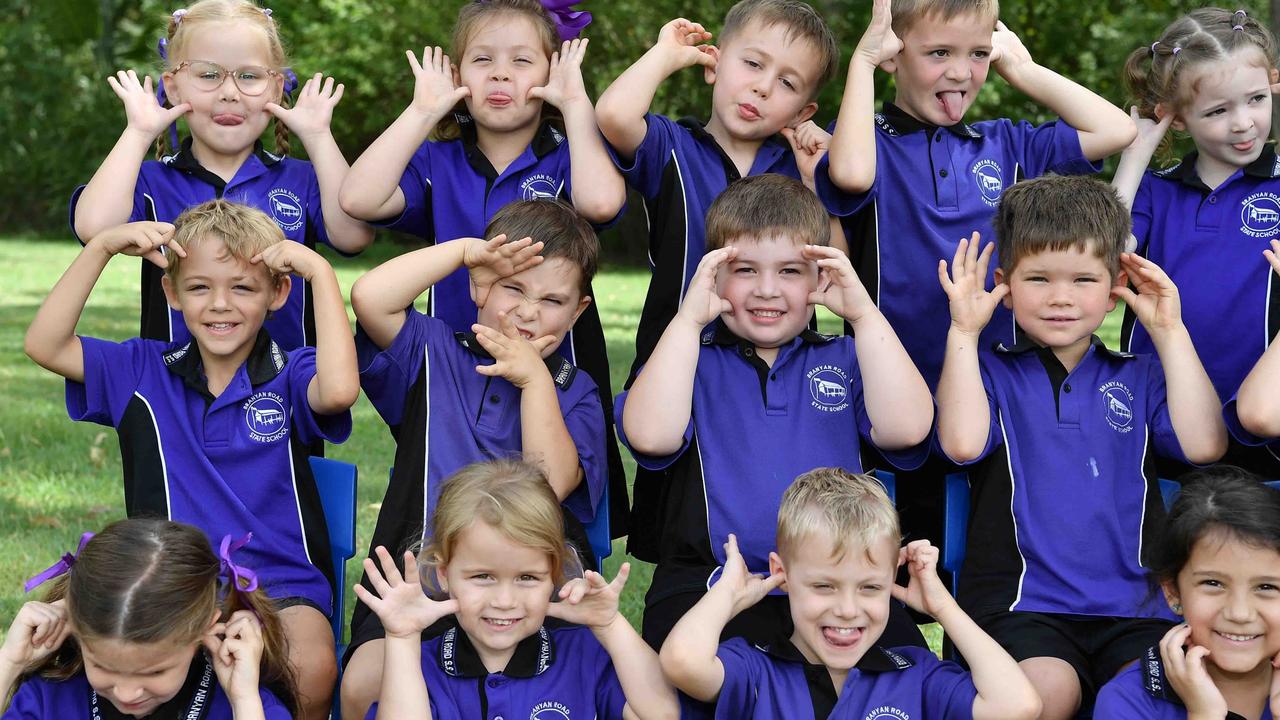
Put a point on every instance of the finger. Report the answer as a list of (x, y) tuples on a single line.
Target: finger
[(327, 89), (413, 60), (944, 277), (984, 261), (157, 258), (177, 111), (337, 94), (508, 326), (773, 582), (999, 291), (620, 580), (543, 343), (410, 568)]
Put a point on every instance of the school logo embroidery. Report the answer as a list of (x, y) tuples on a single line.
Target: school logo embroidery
[(1260, 215), (538, 187), (887, 712), (829, 388), (285, 209), (1117, 406), (549, 710), (266, 417), (986, 173)]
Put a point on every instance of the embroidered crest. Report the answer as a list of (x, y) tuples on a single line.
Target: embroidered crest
[(829, 388), (1117, 406), (266, 417), (285, 208), (990, 180)]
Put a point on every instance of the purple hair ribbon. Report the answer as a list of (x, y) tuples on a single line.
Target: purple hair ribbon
[(570, 23), (62, 567), (241, 578)]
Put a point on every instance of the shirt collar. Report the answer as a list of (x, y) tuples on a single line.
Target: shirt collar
[(458, 657), (185, 160), (1266, 167), (562, 371), (876, 659), (547, 139), (1157, 684), (1025, 344), (266, 360), (769, 150), (895, 121), (717, 333)]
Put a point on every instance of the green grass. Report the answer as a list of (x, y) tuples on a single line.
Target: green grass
[(63, 477)]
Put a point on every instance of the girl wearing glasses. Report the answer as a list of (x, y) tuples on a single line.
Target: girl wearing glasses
[(225, 75)]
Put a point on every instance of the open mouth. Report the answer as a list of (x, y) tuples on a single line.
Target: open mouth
[(1237, 638), (766, 315), (228, 119), (841, 637), (500, 624), (221, 328), (952, 102)]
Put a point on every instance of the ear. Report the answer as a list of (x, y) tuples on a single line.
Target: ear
[(805, 113), (776, 567), (442, 577), (999, 278), (281, 292), (582, 306), (170, 292), (217, 615), (1274, 75), (457, 76), (1121, 280), (171, 88), (891, 65), (709, 73), (1171, 595), (1162, 110)]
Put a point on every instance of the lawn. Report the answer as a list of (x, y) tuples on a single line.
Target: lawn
[(62, 477)]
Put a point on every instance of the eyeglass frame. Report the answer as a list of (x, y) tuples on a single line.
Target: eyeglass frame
[(230, 73)]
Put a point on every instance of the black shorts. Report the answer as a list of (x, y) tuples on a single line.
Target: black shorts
[(1095, 647)]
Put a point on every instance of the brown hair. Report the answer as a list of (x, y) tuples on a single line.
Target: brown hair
[(149, 580), (213, 11), (852, 511), (470, 17), (245, 231), (1061, 212), (768, 205), (561, 230), (1154, 73), (906, 13), (800, 21), (511, 496)]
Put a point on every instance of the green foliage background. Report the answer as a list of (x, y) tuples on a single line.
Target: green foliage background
[(58, 118)]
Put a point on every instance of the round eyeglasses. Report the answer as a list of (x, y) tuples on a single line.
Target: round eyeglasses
[(209, 76)]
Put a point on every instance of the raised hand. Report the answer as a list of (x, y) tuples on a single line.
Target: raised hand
[(809, 143), (515, 358), (140, 239), (1186, 672), (312, 112), (404, 609), (235, 649), (141, 110), (971, 304), (434, 93), (37, 631), (1007, 51), (1150, 132), (287, 257), (879, 43), (924, 591), (488, 261), (684, 43), (839, 288), (745, 588), (701, 303), (564, 83), (591, 600), (1156, 302)]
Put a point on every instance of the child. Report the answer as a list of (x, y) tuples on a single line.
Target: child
[(501, 390), (838, 549), (1218, 563), (497, 553), (740, 395), (143, 618), (1062, 514), (1207, 219), (215, 431), (929, 176), (511, 120), (225, 73), (1253, 413)]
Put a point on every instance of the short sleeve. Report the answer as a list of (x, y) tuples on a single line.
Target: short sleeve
[(272, 708), (839, 202), (112, 372), (310, 425), (1051, 147), (985, 361), (609, 698), (1124, 698), (28, 703), (585, 423), (1159, 424), (948, 689), (386, 375), (741, 663), (644, 172), (415, 184), (1232, 418), (1143, 212), (648, 462), (143, 207)]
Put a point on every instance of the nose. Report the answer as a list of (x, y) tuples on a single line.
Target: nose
[(504, 596), (958, 70), (227, 89), (847, 606), (526, 309), (219, 300), (766, 285), (128, 694), (499, 71), (1240, 120), (1060, 294), (1238, 609)]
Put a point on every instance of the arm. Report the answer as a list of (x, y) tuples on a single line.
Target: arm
[(623, 105), (309, 120), (593, 602), (51, 339), (1194, 408), (853, 148), (38, 630), (336, 384), (660, 402), (1104, 128), (897, 398), (235, 649), (964, 415), (371, 190), (1135, 158), (108, 198), (1257, 404), (809, 143), (598, 191), (1004, 693), (689, 654)]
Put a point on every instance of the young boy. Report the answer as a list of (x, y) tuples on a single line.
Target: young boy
[(452, 399), (838, 550), (740, 396), (1053, 569), (215, 431)]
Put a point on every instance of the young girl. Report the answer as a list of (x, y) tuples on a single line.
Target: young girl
[(496, 556), (1207, 219), (138, 624), (225, 74), (1218, 563)]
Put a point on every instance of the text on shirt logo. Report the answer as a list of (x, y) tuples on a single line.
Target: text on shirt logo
[(549, 710), (885, 712), (1260, 215), (829, 388), (266, 417), (1117, 406), (285, 209), (986, 173), (538, 187)]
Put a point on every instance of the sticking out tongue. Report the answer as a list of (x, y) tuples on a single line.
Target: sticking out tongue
[(952, 104), (840, 639)]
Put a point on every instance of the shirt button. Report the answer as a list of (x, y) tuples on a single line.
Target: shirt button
[(773, 376), (943, 172), (1213, 199), (937, 137), (749, 352), (494, 399), (1066, 387), (493, 683)]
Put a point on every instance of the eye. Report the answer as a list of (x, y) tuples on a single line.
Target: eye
[(248, 74), (1209, 583), (482, 576), (554, 302), (822, 586), (940, 53), (790, 271), (1086, 280), (1267, 587), (524, 60), (744, 270), (480, 59), (786, 83), (872, 589), (512, 289), (753, 63), (1215, 111), (528, 578), (196, 287), (1036, 278), (981, 54), (1260, 97)]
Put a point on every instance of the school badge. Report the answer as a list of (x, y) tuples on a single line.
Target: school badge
[(285, 208), (829, 388), (990, 181), (1260, 215), (1117, 406), (266, 417)]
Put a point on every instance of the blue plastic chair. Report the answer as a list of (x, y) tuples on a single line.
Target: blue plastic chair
[(336, 482), (889, 482), (1171, 489), (598, 530), (955, 527)]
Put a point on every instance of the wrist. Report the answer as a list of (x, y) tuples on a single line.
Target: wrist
[(139, 138), (1174, 333), (964, 331), (861, 315), (423, 120)]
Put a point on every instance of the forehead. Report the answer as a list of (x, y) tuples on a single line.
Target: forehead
[(962, 30), (227, 42), (555, 275), (1244, 71), (813, 555), (209, 256), (1074, 259), (505, 30), (771, 248), (125, 657), (482, 545), (775, 40), (1225, 554)]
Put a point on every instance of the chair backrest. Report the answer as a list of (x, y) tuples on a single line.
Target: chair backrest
[(336, 482), (1171, 489), (890, 484), (598, 530)]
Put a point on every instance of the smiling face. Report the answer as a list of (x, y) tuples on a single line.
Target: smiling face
[(224, 121), (503, 590), (763, 81), (768, 285), (504, 58), (942, 66), (1230, 596), (543, 300), (1228, 114), (136, 677), (1059, 298)]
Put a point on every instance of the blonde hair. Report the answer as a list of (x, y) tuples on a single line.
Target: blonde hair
[(205, 12), (799, 22), (906, 13), (470, 17), (245, 231), (510, 496), (853, 511)]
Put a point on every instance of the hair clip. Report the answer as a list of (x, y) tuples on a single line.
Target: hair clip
[(1153, 48), (177, 15), (62, 567), (1176, 49), (267, 12), (241, 578), (1241, 14), (569, 23), (1237, 28)]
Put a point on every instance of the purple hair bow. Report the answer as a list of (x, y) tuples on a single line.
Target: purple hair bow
[(62, 567), (569, 22), (240, 577)]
